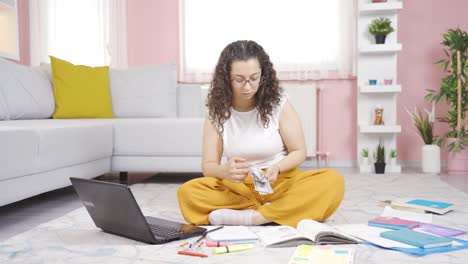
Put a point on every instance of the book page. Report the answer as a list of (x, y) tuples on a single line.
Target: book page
[(390, 212), (310, 228), (371, 234), (323, 234), (282, 236), (232, 234), (305, 254)]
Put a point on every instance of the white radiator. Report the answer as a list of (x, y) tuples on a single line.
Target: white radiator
[(304, 99)]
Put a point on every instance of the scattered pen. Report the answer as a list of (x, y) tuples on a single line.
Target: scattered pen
[(218, 244), (183, 244), (190, 253), (208, 231)]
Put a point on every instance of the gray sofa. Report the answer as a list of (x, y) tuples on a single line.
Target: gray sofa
[(39, 154)]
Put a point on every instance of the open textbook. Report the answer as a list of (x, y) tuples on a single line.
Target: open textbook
[(308, 232)]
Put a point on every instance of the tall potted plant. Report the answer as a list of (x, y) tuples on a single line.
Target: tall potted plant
[(454, 91), (365, 157), (430, 151), (379, 159), (393, 157), (380, 28)]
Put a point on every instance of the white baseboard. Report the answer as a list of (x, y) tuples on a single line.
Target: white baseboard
[(353, 163), (417, 163), (332, 163)]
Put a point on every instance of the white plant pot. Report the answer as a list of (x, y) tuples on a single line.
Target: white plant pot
[(431, 159), (365, 161), (392, 162)]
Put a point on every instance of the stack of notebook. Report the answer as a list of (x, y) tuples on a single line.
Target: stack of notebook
[(418, 205), (417, 239), (397, 223)]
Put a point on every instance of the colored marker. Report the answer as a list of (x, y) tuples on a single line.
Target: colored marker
[(191, 253), (217, 244), (183, 244), (232, 248)]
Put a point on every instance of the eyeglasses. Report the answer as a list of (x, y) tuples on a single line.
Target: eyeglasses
[(240, 83)]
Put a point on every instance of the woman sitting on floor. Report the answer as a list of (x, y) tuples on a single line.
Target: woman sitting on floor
[(252, 123)]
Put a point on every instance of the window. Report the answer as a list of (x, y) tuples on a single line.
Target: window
[(304, 38), (87, 32)]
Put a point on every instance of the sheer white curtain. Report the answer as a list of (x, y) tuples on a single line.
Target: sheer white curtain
[(87, 32), (306, 39)]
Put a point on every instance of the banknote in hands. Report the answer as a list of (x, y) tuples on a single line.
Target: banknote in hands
[(261, 183)]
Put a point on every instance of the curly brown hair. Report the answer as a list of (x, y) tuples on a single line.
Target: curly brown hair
[(220, 92)]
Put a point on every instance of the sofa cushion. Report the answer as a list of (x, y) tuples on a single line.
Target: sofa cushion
[(3, 108), (189, 101), (148, 91), (80, 91), (158, 137), (27, 93), (64, 143), (18, 151)]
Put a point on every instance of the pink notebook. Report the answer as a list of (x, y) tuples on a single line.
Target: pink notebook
[(392, 222)]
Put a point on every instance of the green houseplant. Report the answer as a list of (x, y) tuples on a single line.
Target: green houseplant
[(424, 123), (365, 157), (380, 28), (379, 159), (393, 156), (454, 91)]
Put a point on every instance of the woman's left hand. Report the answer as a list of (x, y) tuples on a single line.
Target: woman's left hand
[(272, 173)]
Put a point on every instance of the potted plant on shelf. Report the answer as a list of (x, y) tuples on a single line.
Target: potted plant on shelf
[(393, 155), (365, 157), (380, 28), (454, 89), (430, 151), (379, 158)]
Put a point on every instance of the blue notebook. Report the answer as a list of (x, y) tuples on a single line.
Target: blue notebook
[(432, 204), (416, 239)]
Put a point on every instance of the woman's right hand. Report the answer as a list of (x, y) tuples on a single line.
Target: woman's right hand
[(236, 169)]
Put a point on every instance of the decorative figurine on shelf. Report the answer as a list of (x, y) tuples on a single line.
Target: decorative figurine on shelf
[(378, 120)]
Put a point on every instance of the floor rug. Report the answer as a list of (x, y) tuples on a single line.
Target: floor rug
[(73, 238)]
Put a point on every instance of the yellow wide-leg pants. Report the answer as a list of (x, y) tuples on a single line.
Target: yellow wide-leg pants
[(296, 195)]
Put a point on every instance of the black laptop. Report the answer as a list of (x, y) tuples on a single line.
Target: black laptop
[(113, 208)]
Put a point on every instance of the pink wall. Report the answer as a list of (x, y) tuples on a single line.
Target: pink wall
[(23, 21), (421, 25), (153, 31), (338, 114), (153, 37)]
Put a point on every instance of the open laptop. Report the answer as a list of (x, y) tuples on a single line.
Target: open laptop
[(114, 209)]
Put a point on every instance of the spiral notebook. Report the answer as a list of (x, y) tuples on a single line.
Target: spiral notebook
[(307, 254), (233, 234)]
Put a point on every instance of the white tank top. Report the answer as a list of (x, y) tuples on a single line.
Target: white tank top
[(244, 137)]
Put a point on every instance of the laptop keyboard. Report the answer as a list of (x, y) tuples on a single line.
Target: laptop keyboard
[(163, 231)]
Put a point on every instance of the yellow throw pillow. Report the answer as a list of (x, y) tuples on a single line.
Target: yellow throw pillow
[(80, 91)]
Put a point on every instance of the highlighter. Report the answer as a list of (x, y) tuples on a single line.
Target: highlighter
[(232, 248), (218, 244)]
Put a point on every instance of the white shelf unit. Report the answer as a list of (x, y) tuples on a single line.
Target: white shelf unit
[(379, 129), (380, 88), (378, 62), (9, 33), (380, 48), (380, 8)]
